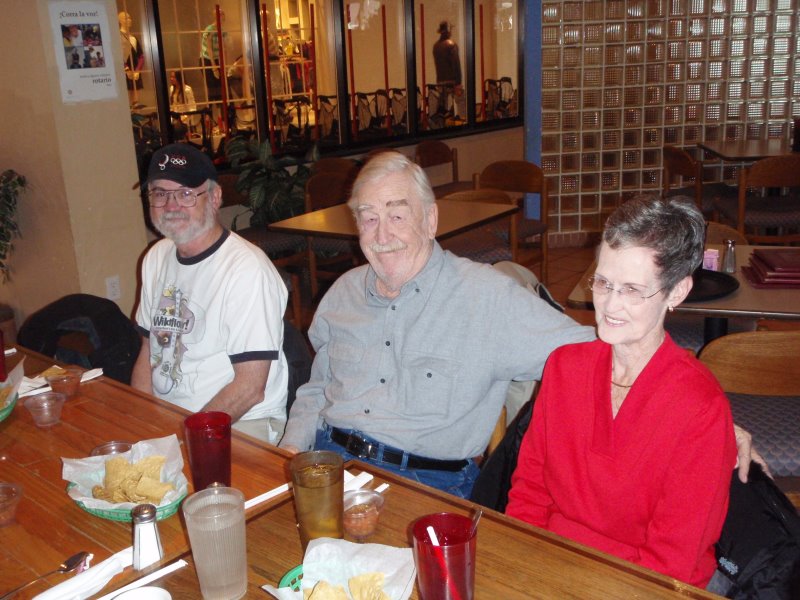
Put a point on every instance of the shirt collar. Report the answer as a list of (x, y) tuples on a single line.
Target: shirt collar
[(422, 283)]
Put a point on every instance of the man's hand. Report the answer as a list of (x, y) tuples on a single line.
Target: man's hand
[(747, 453)]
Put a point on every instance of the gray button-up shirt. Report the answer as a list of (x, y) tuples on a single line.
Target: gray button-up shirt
[(427, 371)]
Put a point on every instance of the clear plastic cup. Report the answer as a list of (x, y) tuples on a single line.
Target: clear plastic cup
[(215, 520), (113, 447), (45, 408), (68, 382)]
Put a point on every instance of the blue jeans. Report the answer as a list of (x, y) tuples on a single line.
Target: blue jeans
[(458, 483)]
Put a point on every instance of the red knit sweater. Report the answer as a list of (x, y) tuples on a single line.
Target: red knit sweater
[(651, 485)]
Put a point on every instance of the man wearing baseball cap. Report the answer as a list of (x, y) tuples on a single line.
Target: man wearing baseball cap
[(211, 306)]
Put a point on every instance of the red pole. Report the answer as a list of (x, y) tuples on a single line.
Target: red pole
[(422, 63), (386, 72), (315, 100), (267, 75), (221, 66), (483, 87), (354, 121)]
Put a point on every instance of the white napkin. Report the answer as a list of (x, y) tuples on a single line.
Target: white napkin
[(32, 386), (14, 381), (336, 561), (91, 581)]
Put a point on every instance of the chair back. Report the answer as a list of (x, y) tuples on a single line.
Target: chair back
[(482, 195), (230, 195), (717, 233), (430, 153), (679, 162), (334, 164), (773, 172), (756, 362), (327, 189), (513, 176)]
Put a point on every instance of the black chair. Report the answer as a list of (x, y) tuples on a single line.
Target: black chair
[(298, 359), (106, 337)]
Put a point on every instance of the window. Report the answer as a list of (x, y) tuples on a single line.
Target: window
[(336, 73)]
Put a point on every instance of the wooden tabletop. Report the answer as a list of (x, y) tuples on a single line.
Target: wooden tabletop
[(514, 560), (746, 301), (337, 221), (746, 150)]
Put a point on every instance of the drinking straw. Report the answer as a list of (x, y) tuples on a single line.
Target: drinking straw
[(442, 564)]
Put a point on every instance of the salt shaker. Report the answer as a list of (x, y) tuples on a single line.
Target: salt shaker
[(146, 542), (729, 260)]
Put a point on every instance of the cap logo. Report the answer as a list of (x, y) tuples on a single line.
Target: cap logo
[(178, 161)]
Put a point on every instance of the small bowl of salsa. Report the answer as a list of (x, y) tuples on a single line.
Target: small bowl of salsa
[(362, 510)]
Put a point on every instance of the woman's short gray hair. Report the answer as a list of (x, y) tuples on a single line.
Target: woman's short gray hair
[(673, 229), (387, 162)]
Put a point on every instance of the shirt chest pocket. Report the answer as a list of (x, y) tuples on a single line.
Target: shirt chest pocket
[(346, 360), (427, 384)]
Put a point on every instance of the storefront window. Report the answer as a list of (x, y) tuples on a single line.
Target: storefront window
[(278, 69)]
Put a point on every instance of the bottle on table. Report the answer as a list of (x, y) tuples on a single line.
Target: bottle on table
[(729, 259)]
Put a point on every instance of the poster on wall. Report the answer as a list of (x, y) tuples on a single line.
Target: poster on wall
[(82, 41)]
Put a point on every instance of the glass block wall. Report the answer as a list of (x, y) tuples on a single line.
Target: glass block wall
[(620, 79)]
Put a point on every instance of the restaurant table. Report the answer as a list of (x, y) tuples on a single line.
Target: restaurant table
[(746, 150), (337, 221), (514, 560), (746, 301)]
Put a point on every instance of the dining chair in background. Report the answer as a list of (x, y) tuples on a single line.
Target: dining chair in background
[(323, 190), (519, 177), (766, 217), (717, 233), (488, 244), (678, 162), (760, 373), (433, 153)]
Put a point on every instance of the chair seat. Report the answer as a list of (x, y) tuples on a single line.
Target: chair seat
[(478, 245), (440, 191), (783, 211), (527, 228), (331, 246), (774, 423), (711, 191), (272, 243)]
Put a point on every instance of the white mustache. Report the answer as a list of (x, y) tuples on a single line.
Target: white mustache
[(392, 247), (175, 216)]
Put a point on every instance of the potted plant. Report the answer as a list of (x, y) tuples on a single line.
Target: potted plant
[(11, 185), (274, 186)]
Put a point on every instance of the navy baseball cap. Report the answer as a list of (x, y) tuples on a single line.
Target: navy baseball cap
[(181, 163)]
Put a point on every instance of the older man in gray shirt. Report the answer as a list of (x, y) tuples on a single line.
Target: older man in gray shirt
[(416, 350)]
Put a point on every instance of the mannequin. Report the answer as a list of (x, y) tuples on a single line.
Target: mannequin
[(448, 67), (131, 53)]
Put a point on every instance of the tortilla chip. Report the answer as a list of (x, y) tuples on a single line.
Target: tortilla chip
[(367, 586), (54, 370), (138, 482), (325, 591), (151, 466), (152, 490)]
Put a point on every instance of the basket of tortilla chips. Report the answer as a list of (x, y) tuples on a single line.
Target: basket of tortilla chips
[(109, 486), (7, 403)]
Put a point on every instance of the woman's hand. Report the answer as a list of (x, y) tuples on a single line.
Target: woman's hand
[(747, 453)]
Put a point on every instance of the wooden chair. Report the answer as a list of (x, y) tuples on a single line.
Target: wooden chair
[(283, 249), (432, 153), (764, 366), (678, 162), (335, 164), (325, 189), (522, 177), (717, 233), (757, 217), (489, 244)]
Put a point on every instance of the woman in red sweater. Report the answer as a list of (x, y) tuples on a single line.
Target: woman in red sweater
[(631, 446)]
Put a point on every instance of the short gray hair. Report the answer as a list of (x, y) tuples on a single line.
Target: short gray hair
[(673, 229), (388, 162)]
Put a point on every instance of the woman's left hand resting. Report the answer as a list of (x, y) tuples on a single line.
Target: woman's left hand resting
[(747, 453)]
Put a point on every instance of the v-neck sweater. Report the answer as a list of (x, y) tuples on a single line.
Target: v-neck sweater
[(651, 485)]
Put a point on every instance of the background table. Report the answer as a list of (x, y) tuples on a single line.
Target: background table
[(337, 221), (746, 150)]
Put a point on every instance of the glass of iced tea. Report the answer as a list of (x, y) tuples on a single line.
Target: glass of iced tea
[(318, 482)]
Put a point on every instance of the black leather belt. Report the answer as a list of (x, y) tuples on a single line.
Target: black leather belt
[(362, 448)]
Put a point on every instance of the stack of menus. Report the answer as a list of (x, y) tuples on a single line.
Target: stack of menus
[(774, 268)]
